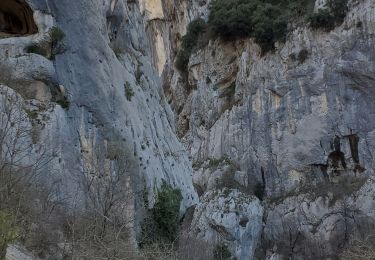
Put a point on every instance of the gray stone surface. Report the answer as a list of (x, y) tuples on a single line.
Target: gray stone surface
[(303, 128), (15, 252), (229, 215), (105, 49)]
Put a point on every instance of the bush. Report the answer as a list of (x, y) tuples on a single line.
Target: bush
[(232, 18), (129, 93), (166, 212), (162, 222), (322, 20), (259, 191), (37, 50), (266, 21), (339, 8), (221, 252), (189, 42), (333, 15), (64, 103), (56, 36), (8, 231), (213, 162), (301, 56), (270, 25)]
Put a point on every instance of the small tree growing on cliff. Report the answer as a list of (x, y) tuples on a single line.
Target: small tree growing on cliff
[(56, 37)]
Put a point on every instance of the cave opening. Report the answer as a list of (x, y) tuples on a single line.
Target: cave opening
[(16, 18), (336, 162)]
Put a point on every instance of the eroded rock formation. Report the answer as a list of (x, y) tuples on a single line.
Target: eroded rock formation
[(279, 147), (16, 18)]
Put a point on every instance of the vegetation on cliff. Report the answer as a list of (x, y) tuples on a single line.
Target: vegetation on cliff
[(333, 15), (189, 42), (162, 222), (267, 21)]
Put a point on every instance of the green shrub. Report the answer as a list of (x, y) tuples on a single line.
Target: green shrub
[(166, 212), (259, 191), (8, 231), (129, 93), (139, 73), (56, 36), (64, 102), (232, 18), (329, 17), (32, 114), (301, 56), (37, 50), (270, 25), (266, 21), (162, 222), (300, 9), (213, 162), (339, 8), (189, 42), (221, 252), (145, 199), (322, 20)]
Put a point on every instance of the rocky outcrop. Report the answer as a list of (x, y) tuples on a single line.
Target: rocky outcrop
[(81, 113), (317, 223), (229, 215), (295, 127), (15, 252), (298, 120)]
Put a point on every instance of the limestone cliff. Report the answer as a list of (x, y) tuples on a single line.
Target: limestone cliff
[(275, 151), (298, 121)]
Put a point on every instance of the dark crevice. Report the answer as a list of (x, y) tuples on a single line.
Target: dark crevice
[(337, 144), (336, 161), (263, 176), (353, 141), (16, 18)]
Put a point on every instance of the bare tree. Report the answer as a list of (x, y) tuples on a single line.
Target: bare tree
[(19, 165), (18, 162), (104, 228), (360, 249)]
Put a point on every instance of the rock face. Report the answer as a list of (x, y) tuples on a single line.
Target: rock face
[(295, 127), (81, 112), (298, 121), (232, 216), (16, 253)]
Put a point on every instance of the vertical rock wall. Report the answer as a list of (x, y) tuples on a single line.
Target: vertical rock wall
[(298, 121)]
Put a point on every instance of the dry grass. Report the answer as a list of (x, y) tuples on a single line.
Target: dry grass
[(360, 249)]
